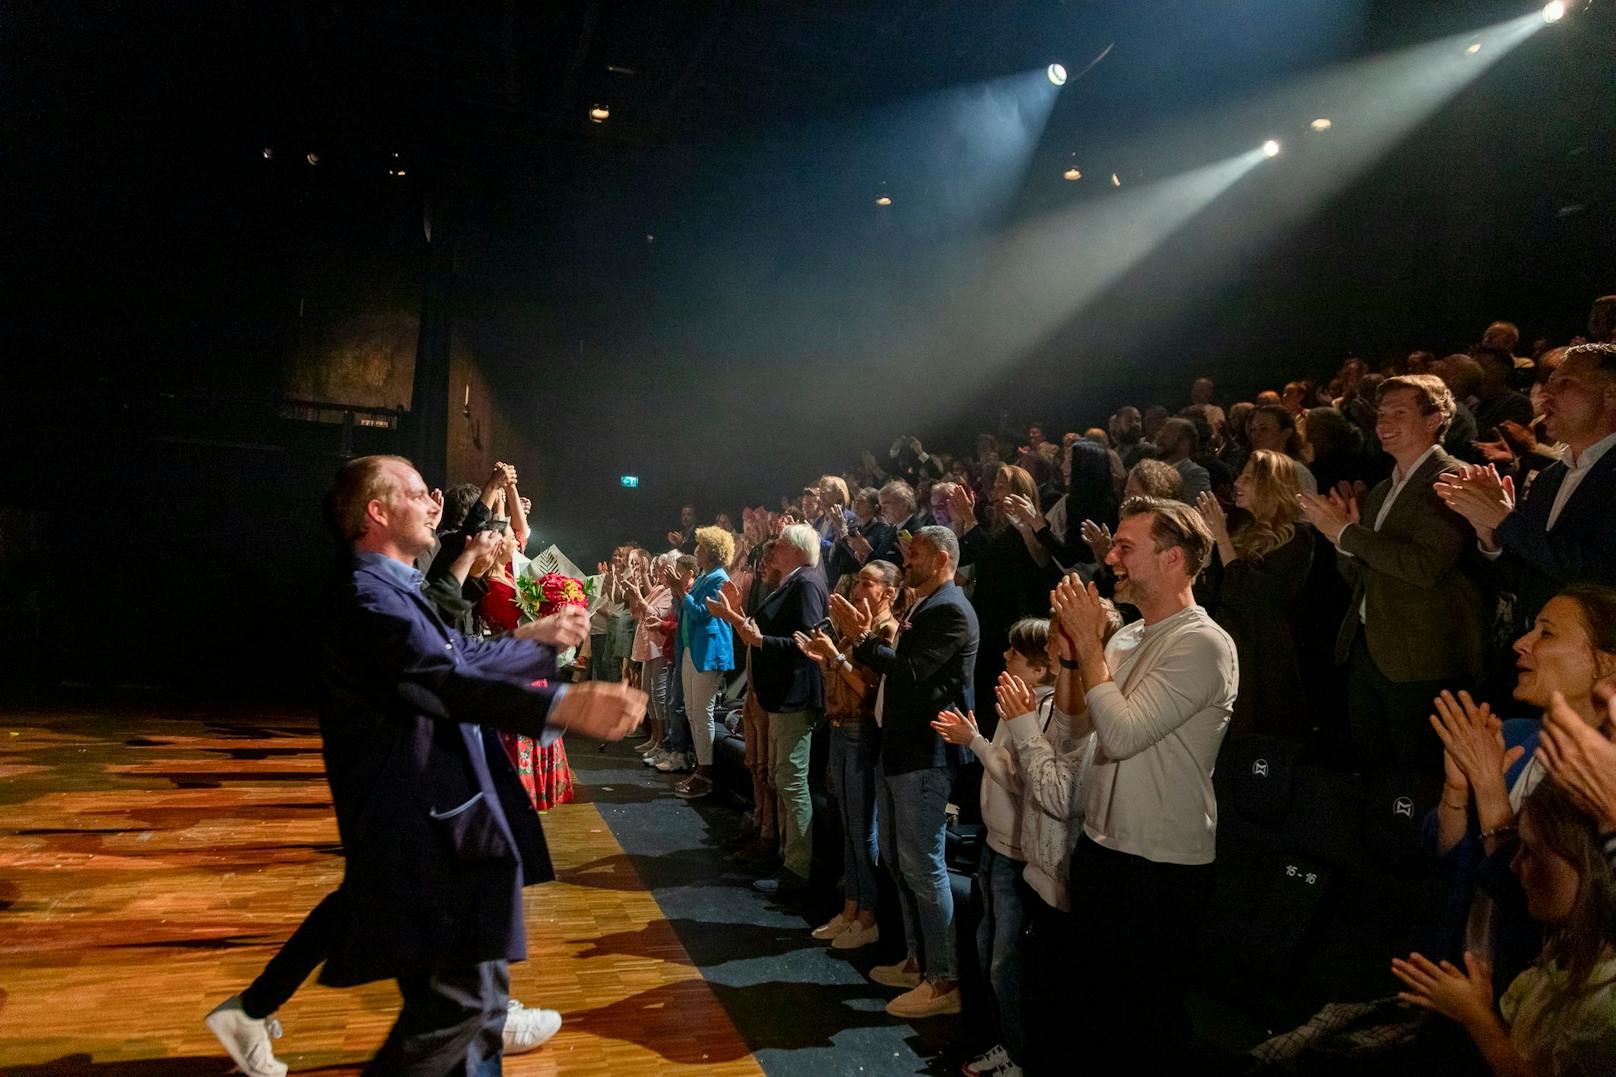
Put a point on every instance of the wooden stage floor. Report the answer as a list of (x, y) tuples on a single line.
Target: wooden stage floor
[(151, 862)]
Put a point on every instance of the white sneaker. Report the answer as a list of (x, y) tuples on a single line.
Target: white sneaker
[(988, 1062), (653, 757), (528, 1030), (677, 762), (246, 1039)]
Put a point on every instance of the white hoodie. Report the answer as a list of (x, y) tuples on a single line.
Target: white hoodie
[(1025, 831)]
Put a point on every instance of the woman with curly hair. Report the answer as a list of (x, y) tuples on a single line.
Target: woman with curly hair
[(1251, 589), (708, 649)]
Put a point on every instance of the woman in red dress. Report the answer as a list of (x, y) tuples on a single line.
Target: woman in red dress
[(542, 768)]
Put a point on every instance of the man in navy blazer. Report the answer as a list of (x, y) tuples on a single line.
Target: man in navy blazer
[(438, 836), (1558, 532), (927, 671), (789, 689)]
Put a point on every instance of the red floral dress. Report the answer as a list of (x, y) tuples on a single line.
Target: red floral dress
[(544, 772)]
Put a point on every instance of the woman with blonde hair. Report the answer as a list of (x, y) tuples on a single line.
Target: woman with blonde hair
[(1251, 589), (708, 648)]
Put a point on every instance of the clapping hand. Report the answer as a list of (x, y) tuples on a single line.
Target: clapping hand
[(1473, 738), (956, 728), (1211, 511), (1079, 610), (1013, 697), (1330, 514), (1477, 493), (676, 538), (1464, 996), (605, 710), (435, 514), (1581, 759), (1098, 536), (1022, 512), (860, 546), (962, 506), (725, 605), (819, 647), (850, 620)]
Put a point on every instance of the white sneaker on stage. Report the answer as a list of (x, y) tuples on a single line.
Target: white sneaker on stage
[(246, 1039), (528, 1030)]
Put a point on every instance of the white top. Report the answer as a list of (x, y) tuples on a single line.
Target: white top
[(1158, 725), (1001, 792), (1576, 471), (1051, 764)]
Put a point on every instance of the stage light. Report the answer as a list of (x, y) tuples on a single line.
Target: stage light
[(1057, 73), (1072, 174), (1554, 12), (884, 200), (1116, 180), (1321, 124), (269, 153), (312, 158), (1270, 148), (1474, 47), (599, 113), (401, 172)]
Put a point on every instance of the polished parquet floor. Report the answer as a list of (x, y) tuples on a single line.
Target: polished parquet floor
[(151, 861)]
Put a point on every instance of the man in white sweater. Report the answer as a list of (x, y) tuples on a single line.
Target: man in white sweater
[(1158, 697)]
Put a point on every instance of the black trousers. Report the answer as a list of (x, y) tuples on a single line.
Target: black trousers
[(291, 965), (452, 1025), (1388, 721), (1135, 921)]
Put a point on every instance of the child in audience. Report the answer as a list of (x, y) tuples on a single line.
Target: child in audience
[(1005, 901)]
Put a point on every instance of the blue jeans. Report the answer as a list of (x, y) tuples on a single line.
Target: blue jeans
[(998, 942), (854, 750), (678, 735), (654, 679), (912, 811)]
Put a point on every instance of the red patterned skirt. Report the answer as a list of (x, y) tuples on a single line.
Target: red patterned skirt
[(543, 772)]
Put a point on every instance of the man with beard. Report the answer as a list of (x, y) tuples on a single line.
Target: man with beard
[(928, 670), (1158, 698)]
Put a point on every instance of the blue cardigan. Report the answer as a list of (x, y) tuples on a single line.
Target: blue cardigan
[(712, 646)]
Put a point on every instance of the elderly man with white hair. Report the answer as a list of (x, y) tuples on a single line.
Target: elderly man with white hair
[(789, 688)]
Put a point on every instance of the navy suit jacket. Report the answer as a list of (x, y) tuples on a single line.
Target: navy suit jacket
[(784, 678), (438, 835), (929, 670), (1537, 562)]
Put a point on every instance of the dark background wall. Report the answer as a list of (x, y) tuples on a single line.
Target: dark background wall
[(700, 292)]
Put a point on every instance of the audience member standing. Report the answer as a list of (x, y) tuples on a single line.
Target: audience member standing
[(1253, 586), (1558, 531), (1159, 698), (929, 670), (1413, 624), (708, 650)]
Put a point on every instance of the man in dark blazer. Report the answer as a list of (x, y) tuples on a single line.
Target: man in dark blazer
[(1558, 532), (927, 671), (789, 690), (438, 836), (1413, 626)]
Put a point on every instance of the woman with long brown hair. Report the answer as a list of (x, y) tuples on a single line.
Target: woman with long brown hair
[(1252, 586), (1011, 569)]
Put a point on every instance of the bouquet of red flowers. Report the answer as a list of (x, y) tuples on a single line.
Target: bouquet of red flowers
[(548, 593)]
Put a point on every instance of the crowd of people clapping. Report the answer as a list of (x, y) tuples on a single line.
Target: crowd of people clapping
[(1407, 570)]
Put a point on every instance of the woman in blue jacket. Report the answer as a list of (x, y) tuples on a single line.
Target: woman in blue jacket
[(708, 651)]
